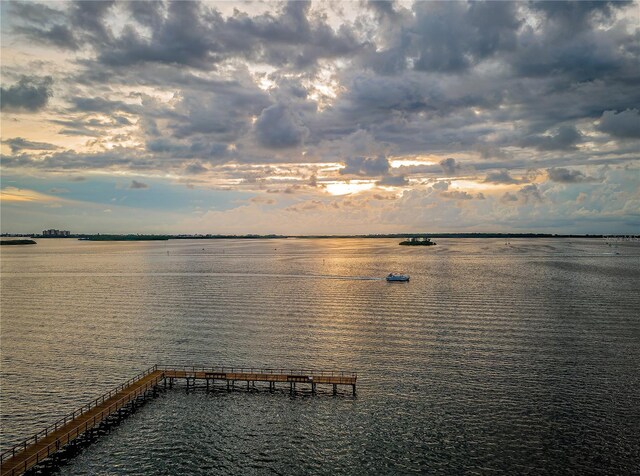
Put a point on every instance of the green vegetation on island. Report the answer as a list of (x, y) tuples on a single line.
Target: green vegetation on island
[(169, 237), (125, 238), (415, 241), (17, 242)]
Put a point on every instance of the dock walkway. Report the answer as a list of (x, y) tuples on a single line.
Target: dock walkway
[(46, 443)]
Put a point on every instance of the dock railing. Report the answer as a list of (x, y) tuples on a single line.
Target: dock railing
[(256, 370), (15, 449), (44, 452), (81, 428)]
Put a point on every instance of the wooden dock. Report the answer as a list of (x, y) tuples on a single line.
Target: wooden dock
[(70, 429)]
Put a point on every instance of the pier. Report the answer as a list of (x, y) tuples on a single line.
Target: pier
[(90, 420)]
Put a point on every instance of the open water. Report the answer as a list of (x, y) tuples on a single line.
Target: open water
[(495, 358)]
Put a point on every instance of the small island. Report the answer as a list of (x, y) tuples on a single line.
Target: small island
[(17, 242), (422, 241)]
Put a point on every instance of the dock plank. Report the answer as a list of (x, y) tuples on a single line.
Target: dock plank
[(32, 451), (49, 444)]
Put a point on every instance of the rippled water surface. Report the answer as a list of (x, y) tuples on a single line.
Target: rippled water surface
[(520, 358)]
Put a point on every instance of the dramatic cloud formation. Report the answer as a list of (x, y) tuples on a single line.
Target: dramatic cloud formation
[(625, 124), (29, 94), (563, 175), (321, 117), (18, 143)]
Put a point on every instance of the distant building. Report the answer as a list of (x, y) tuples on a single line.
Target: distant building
[(56, 233)]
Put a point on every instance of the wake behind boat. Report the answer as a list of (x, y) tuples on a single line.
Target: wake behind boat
[(397, 277)]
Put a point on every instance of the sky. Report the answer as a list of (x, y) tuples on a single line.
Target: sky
[(324, 117)]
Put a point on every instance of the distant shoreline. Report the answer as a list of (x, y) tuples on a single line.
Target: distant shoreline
[(17, 242), (140, 237)]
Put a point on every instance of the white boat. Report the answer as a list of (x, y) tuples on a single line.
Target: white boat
[(397, 277)]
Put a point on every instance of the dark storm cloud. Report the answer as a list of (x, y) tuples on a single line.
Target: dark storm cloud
[(43, 24), (224, 110), (18, 143), (502, 177), (624, 124), (88, 16), (383, 8), (563, 175), (291, 39), (194, 35), (278, 127), (147, 12), (82, 24), (571, 44), (184, 37), (30, 93), (35, 13), (451, 36), (564, 138), (58, 35), (97, 104), (505, 82), (450, 166), (574, 16), (366, 166)]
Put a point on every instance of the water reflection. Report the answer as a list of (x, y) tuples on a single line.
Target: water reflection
[(510, 358)]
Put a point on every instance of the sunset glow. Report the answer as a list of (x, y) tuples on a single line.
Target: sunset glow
[(195, 110)]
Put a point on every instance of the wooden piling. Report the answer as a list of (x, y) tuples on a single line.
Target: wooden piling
[(84, 425)]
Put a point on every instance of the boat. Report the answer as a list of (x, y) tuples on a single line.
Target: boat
[(392, 277)]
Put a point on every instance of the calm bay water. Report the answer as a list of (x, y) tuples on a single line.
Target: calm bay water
[(494, 358)]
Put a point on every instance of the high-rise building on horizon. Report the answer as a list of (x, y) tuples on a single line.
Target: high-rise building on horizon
[(56, 233)]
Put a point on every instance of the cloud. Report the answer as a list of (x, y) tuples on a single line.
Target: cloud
[(502, 177), (209, 94), (576, 16), (196, 168), (29, 94), (22, 195), (456, 195), (509, 197), (366, 166), (98, 104), (43, 24), (452, 36), (530, 193), (278, 127), (135, 185), (393, 181), (441, 185), (563, 175), (624, 124), (18, 143), (450, 166), (527, 195), (564, 138), (195, 35)]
